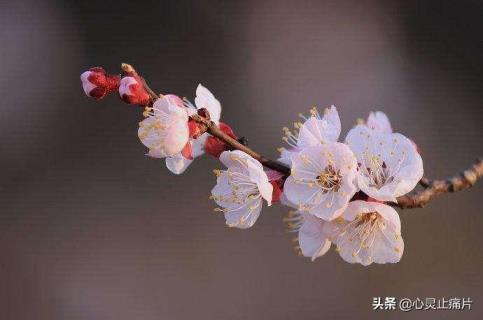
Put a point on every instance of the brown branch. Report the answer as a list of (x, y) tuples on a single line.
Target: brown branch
[(417, 199), (234, 144), (414, 200), (463, 181)]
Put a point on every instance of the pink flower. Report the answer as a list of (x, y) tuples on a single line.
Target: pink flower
[(165, 130)]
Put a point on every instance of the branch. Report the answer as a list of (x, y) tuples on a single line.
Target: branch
[(463, 181), (233, 144), (419, 199)]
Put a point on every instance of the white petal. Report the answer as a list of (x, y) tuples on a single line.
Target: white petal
[(176, 137), (312, 239), (177, 164), (86, 84), (258, 176), (287, 154), (205, 99), (316, 131), (246, 215), (199, 145), (378, 121), (284, 201)]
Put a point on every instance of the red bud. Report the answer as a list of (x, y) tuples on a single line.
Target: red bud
[(97, 83)]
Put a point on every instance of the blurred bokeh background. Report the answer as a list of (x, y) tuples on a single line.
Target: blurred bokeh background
[(90, 228)]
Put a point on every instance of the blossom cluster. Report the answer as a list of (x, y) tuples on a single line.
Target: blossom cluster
[(339, 192)]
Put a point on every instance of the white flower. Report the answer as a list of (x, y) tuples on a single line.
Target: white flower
[(204, 99), (165, 130), (366, 232), (322, 179), (315, 130), (389, 165), (241, 188)]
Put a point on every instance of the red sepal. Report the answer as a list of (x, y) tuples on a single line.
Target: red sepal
[(187, 151), (215, 146)]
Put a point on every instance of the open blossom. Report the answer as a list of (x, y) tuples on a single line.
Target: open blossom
[(322, 177), (97, 83), (315, 130), (178, 163), (389, 165), (165, 130), (366, 232), (241, 189)]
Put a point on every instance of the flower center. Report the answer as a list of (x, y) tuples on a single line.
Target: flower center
[(329, 179), (378, 172)]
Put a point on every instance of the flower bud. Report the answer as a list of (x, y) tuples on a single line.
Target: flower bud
[(215, 146), (131, 90), (97, 83)]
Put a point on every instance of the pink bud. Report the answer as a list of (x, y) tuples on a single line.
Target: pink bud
[(131, 90), (97, 83)]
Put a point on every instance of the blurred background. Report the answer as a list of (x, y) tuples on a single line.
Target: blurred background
[(91, 228)]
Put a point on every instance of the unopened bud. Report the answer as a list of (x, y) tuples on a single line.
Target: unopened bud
[(97, 83), (131, 90)]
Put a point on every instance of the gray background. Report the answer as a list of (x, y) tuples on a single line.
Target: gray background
[(90, 228)]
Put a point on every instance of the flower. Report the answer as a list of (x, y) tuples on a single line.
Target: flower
[(240, 189), (389, 165), (165, 129), (97, 83), (131, 90), (315, 130), (204, 99), (366, 232), (322, 179)]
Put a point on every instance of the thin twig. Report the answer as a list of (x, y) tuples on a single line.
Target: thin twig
[(463, 181), (417, 199), (234, 144)]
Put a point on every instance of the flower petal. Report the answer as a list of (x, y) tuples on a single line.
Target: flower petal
[(312, 238), (316, 131), (379, 122), (205, 99)]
